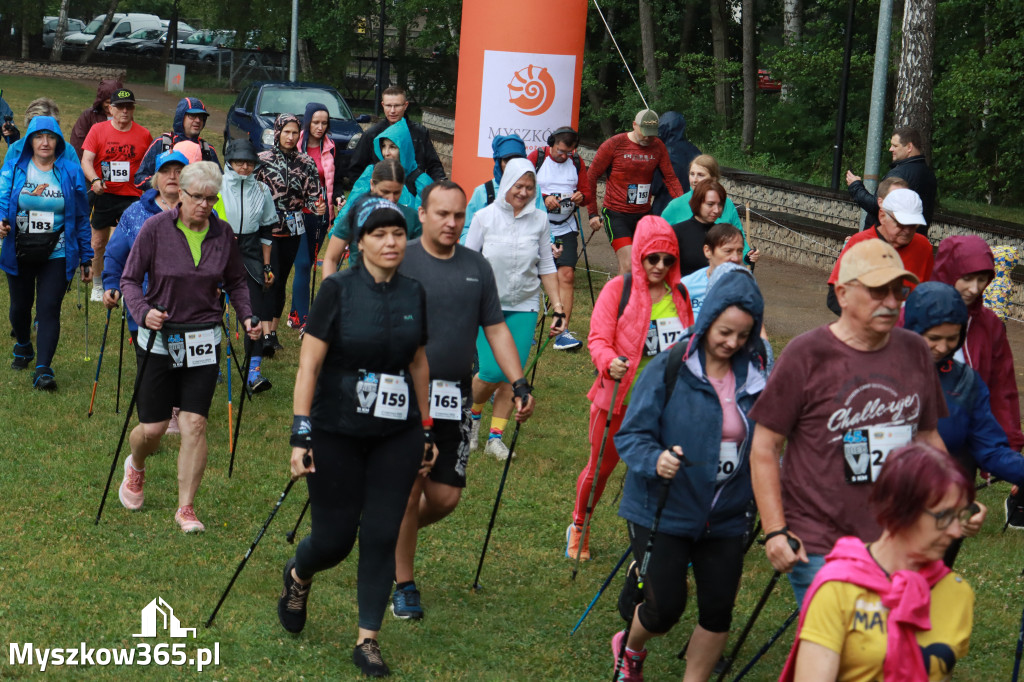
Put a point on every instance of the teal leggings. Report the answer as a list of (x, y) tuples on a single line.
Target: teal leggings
[(521, 325)]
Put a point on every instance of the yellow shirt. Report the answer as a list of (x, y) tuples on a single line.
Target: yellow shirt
[(195, 240), (665, 308), (851, 621)]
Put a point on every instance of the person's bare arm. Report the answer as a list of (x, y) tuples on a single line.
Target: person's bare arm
[(815, 663), (88, 159), (332, 258), (765, 454)]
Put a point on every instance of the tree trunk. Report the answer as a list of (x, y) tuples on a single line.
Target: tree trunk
[(62, 30), (647, 46), (84, 59), (24, 40), (749, 78), (720, 50), (792, 27), (596, 96), (305, 64), (689, 21), (402, 56), (914, 82)]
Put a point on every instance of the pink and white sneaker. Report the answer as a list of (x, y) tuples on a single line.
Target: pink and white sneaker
[(631, 667), (130, 492), (186, 518)]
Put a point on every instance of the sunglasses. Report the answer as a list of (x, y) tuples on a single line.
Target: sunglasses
[(944, 518), (654, 259), (898, 289)]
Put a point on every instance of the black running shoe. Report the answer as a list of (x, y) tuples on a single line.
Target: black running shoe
[(268, 346), (291, 607), (23, 355), (43, 379), (1014, 509), (367, 658), (274, 340)]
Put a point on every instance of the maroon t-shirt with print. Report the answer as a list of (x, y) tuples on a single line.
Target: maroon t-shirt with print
[(842, 410)]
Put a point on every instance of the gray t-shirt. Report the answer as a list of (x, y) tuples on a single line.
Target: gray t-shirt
[(461, 296)]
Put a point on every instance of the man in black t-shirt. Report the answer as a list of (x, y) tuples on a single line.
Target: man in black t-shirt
[(461, 296)]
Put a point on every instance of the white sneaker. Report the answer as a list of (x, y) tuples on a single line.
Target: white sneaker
[(97, 294), (498, 449), (474, 435)]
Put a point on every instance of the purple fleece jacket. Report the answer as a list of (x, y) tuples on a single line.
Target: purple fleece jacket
[(189, 292)]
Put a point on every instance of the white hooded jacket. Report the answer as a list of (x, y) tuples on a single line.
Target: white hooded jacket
[(518, 247)]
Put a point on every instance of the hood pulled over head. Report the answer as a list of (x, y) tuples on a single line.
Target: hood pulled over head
[(934, 303)]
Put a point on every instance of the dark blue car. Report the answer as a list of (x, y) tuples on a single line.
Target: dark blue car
[(256, 108)]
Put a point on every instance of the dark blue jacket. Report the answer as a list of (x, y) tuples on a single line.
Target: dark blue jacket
[(121, 241), (672, 131), (164, 142), (692, 419), (971, 434), (77, 233)]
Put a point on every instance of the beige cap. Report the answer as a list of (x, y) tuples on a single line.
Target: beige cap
[(873, 263), (648, 121)]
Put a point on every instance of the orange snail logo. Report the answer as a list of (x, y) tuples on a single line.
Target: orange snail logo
[(532, 90)]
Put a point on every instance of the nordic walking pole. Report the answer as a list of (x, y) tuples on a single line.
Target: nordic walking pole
[(290, 536), (597, 596), (666, 485), (128, 417), (306, 461), (120, 359), (497, 501), (597, 473), (768, 645), (231, 439), (795, 546), (586, 260), (87, 358), (746, 231), (99, 363), (254, 322)]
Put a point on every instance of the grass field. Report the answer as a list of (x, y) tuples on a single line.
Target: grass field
[(67, 581)]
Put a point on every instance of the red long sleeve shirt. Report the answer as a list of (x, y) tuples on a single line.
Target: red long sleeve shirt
[(630, 169)]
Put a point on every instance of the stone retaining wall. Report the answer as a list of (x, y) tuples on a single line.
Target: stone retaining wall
[(81, 72)]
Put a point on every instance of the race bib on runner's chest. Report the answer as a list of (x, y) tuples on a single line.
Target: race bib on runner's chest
[(40, 222), (670, 330), (119, 171), (865, 450), (392, 398), (445, 400), (638, 194), (728, 460), (201, 348)]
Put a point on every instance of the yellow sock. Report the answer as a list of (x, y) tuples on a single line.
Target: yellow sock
[(498, 425), (477, 408)]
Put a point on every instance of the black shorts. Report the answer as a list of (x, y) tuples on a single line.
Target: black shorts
[(452, 440), (620, 227), (107, 209), (570, 250), (162, 388)]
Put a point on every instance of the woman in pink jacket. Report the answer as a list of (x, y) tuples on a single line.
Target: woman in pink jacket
[(636, 316)]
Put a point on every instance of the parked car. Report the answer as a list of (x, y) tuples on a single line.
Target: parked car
[(204, 46), (765, 82), (256, 108), (121, 25), (50, 29), (146, 41)]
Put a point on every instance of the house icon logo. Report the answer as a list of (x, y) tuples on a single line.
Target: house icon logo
[(158, 615)]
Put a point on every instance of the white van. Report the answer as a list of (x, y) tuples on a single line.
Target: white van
[(120, 26)]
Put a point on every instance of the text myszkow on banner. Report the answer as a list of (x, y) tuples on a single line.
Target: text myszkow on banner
[(517, 75)]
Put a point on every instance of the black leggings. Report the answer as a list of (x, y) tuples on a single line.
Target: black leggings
[(717, 567), (261, 301), (45, 285), (360, 485), (286, 248)]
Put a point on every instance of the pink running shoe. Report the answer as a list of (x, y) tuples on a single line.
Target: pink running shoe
[(130, 492), (631, 669), (186, 518)]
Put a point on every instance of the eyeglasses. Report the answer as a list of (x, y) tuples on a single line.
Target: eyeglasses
[(898, 289), (654, 259), (944, 518), (242, 162), (209, 200)]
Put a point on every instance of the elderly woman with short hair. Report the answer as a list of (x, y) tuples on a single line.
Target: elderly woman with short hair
[(186, 253)]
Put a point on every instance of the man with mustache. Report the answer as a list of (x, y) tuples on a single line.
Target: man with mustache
[(841, 397)]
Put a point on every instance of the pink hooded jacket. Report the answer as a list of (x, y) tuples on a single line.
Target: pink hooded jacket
[(986, 349), (907, 596), (610, 335)]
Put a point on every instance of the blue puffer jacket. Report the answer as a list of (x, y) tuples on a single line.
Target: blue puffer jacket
[(77, 233), (697, 506), (971, 434), (121, 241)]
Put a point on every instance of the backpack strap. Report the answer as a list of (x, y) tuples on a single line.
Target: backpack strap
[(168, 141), (540, 158), (672, 367), (627, 288), (489, 189), (410, 181)]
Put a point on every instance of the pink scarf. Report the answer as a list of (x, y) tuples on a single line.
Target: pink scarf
[(907, 596)]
